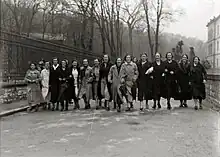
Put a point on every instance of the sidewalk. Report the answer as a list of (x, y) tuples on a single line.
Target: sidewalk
[(14, 107)]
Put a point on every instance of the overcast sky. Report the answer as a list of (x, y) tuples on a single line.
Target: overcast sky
[(197, 15)]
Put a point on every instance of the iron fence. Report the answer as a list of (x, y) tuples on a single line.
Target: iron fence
[(17, 51)]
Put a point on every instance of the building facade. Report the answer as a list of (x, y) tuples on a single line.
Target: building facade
[(213, 43)]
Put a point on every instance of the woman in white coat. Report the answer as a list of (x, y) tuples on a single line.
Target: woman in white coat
[(45, 73)]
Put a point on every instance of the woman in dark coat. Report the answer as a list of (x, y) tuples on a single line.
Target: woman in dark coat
[(158, 80), (171, 70), (104, 87), (144, 81), (184, 81), (198, 80), (64, 76), (54, 83), (74, 83)]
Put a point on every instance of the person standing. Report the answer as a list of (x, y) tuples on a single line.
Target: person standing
[(63, 92), (158, 80), (54, 83), (128, 76), (95, 71), (171, 70), (85, 90), (198, 80), (104, 86), (114, 79), (74, 83), (33, 79), (144, 81), (184, 81), (45, 76)]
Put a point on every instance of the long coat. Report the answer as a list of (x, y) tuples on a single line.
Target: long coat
[(103, 82), (158, 80), (129, 73), (73, 83), (54, 83), (184, 82), (95, 71), (144, 82), (114, 77), (198, 74), (86, 83), (64, 84), (171, 87), (45, 76), (33, 79)]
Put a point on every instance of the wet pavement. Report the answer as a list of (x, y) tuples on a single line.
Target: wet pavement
[(161, 133)]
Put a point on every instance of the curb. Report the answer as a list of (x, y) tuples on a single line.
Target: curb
[(13, 111)]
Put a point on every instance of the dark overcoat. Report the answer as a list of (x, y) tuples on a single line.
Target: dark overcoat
[(64, 76), (158, 80), (145, 82), (198, 74), (184, 82), (171, 87), (54, 84)]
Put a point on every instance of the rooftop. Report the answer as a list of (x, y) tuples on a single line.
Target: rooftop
[(214, 19)]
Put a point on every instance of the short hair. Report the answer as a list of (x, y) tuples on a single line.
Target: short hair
[(186, 56), (195, 58), (169, 53)]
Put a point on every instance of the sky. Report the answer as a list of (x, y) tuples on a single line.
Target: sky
[(197, 15)]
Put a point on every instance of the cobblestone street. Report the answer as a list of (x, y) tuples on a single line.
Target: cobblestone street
[(160, 133)]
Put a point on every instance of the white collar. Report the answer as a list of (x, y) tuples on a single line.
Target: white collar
[(55, 67), (170, 61), (128, 63)]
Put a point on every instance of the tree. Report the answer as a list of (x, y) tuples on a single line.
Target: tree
[(132, 15), (158, 13)]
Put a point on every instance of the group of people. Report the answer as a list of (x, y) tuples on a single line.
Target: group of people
[(60, 84)]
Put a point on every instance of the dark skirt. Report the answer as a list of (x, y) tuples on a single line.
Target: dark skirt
[(54, 89), (134, 91), (170, 90), (145, 90), (63, 94), (198, 91)]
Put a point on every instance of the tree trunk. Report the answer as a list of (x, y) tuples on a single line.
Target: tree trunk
[(130, 40)]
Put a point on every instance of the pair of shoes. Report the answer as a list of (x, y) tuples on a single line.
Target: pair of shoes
[(128, 109), (196, 107)]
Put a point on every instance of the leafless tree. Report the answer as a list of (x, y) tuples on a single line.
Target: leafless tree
[(132, 15), (157, 13)]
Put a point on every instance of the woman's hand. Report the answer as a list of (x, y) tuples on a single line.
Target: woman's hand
[(171, 72), (204, 81)]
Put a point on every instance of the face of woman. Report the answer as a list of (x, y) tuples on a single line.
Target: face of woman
[(169, 56), (47, 65), (118, 62), (157, 56), (64, 64), (74, 64), (96, 62), (55, 61), (85, 62), (184, 58), (135, 60), (143, 57), (196, 60), (105, 58), (128, 58), (32, 66)]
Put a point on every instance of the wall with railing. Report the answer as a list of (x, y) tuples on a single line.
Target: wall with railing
[(213, 88)]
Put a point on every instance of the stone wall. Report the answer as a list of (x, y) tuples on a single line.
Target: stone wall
[(213, 90)]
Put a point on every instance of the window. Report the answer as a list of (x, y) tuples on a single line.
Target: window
[(218, 30), (210, 49), (217, 45), (210, 34), (216, 62)]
